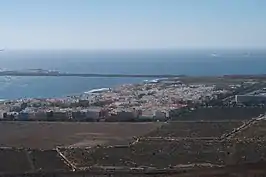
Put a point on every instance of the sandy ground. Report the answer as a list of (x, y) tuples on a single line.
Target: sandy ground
[(47, 135)]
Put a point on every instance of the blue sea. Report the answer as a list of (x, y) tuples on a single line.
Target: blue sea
[(188, 62)]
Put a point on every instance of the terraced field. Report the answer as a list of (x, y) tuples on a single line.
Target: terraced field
[(255, 131), (160, 154), (170, 146), (248, 151), (195, 129), (48, 160), (14, 161), (221, 113), (48, 135), (165, 154)]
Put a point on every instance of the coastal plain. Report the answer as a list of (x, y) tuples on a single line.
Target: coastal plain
[(212, 135)]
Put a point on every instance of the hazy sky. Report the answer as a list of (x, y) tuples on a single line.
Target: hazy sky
[(108, 24)]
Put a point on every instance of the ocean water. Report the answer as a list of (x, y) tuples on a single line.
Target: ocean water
[(188, 62)]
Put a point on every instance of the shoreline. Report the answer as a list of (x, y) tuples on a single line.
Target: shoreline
[(53, 73), (88, 92), (201, 79)]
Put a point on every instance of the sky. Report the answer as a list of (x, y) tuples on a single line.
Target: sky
[(132, 24)]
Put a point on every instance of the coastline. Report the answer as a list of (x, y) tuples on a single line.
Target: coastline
[(145, 81), (88, 92)]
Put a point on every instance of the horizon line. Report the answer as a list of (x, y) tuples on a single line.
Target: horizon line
[(131, 49)]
